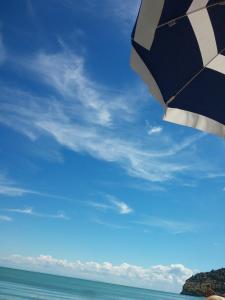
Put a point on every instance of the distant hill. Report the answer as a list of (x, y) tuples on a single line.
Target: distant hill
[(196, 285)]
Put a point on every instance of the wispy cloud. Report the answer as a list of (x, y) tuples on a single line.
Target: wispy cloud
[(30, 9), (147, 186), (25, 211), (86, 117), (53, 120), (66, 73), (30, 212), (99, 205), (2, 50), (213, 175), (13, 191), (9, 188), (125, 11), (109, 224), (114, 204), (153, 130), (120, 206), (5, 218), (122, 12), (160, 277), (172, 226)]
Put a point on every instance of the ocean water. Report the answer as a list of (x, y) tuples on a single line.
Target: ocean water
[(23, 285)]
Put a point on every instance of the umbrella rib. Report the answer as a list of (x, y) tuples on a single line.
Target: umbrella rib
[(193, 78), (190, 13)]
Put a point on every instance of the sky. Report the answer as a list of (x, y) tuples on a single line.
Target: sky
[(93, 184)]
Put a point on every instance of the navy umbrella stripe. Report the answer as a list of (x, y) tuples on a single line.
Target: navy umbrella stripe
[(179, 51)]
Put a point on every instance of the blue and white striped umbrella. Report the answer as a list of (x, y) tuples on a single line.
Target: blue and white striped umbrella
[(179, 51)]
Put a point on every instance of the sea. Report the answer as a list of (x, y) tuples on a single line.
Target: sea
[(26, 285)]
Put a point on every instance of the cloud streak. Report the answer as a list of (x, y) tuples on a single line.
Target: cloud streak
[(30, 212), (10, 189), (160, 277), (114, 204), (171, 226), (86, 117), (5, 218), (125, 12), (108, 224), (122, 207), (154, 130), (3, 55), (121, 12), (65, 73)]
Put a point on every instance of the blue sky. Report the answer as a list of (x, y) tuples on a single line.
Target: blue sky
[(88, 171)]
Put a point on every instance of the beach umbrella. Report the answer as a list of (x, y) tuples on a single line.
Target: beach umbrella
[(178, 49)]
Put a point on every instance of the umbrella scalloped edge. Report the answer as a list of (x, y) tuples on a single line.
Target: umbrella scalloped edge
[(191, 119)]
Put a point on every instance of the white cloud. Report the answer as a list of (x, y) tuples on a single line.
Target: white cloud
[(125, 11), (30, 9), (166, 278), (146, 186), (108, 224), (54, 119), (66, 73), (122, 12), (88, 118), (5, 218), (215, 175), (12, 191), (133, 158), (2, 50), (25, 211), (120, 206), (29, 211), (172, 226), (154, 130), (113, 204), (9, 188), (99, 205)]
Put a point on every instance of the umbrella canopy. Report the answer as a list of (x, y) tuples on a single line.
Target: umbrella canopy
[(179, 51)]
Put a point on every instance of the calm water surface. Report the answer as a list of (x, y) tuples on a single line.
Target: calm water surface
[(23, 285)]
